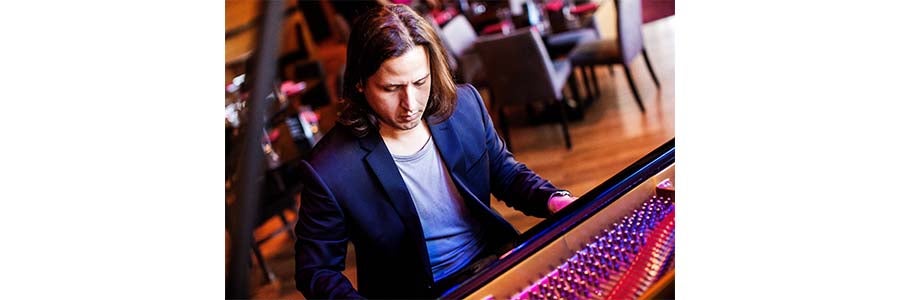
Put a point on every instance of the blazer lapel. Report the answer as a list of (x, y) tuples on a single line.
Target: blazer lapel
[(382, 165), (448, 142), (449, 145)]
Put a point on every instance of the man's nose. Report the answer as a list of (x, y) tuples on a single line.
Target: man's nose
[(409, 97)]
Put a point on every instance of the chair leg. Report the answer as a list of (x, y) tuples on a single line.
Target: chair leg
[(595, 83), (637, 97), (287, 224), (504, 127), (586, 82), (565, 123), (649, 67), (573, 87), (268, 276)]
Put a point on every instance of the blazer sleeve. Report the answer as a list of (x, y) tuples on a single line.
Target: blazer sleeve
[(321, 245), (511, 181)]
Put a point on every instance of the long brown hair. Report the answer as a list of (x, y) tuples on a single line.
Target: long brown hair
[(380, 34)]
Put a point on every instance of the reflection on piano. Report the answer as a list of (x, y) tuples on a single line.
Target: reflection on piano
[(615, 242)]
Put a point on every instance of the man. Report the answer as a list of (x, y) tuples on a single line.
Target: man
[(408, 173)]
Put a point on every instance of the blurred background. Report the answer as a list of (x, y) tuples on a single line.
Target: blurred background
[(614, 60)]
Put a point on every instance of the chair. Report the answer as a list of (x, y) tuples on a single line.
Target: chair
[(564, 15), (525, 77), (305, 64), (459, 38), (619, 50), (571, 24)]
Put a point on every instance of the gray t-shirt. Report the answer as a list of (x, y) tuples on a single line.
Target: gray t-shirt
[(452, 235)]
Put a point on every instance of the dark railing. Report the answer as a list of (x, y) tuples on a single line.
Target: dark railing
[(248, 188)]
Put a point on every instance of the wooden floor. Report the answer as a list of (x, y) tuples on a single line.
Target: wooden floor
[(613, 134)]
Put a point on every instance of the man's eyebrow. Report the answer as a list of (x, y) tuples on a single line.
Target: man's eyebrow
[(400, 84)]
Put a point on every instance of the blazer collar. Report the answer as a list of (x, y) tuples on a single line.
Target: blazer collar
[(381, 163), (445, 138)]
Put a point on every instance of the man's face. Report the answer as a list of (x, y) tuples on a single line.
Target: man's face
[(398, 92)]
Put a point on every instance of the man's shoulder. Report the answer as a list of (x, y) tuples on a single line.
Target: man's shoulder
[(468, 103), (466, 94), (336, 146), (467, 99)]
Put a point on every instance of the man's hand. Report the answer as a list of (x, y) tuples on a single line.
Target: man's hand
[(557, 203)]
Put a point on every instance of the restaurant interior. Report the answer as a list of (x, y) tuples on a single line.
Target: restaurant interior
[(612, 62)]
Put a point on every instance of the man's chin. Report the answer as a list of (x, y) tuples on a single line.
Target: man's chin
[(410, 125), (406, 126)]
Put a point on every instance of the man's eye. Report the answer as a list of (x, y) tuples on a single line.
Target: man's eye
[(420, 83)]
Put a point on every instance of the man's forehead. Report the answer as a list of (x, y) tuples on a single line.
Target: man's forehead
[(411, 66)]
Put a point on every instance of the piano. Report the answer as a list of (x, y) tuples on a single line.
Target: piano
[(617, 241)]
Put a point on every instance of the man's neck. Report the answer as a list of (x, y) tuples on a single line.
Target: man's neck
[(406, 142)]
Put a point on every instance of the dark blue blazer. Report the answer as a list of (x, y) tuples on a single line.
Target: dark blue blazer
[(353, 192)]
